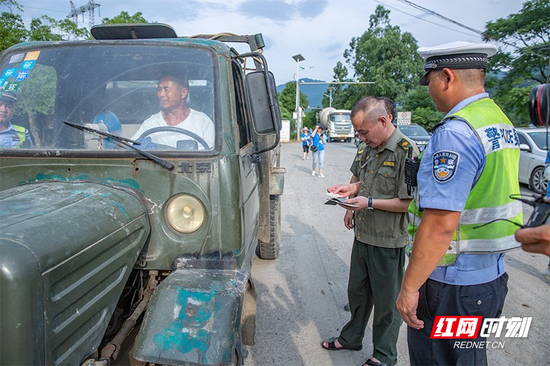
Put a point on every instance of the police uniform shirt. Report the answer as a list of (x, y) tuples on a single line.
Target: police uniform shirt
[(457, 139), (382, 176), (9, 138)]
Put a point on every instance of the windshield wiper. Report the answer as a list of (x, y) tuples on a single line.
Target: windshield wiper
[(123, 141)]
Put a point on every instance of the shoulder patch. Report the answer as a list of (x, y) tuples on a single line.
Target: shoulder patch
[(404, 144), (444, 165)]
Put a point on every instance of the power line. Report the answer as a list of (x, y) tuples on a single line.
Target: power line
[(420, 18), (44, 9), (416, 6), (429, 11)]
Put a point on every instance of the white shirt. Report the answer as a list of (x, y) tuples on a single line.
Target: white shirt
[(196, 122)]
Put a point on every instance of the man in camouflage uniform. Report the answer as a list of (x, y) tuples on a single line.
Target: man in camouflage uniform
[(378, 254)]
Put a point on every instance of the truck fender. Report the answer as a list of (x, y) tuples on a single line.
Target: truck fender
[(67, 251), (193, 317)]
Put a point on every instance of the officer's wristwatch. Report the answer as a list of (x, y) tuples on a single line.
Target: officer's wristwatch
[(369, 205)]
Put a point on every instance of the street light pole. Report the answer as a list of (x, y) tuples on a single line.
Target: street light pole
[(298, 58), (330, 90)]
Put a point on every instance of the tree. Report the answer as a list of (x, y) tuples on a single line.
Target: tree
[(49, 29), (422, 107), (13, 31), (311, 118), (38, 101), (287, 101), (287, 97), (12, 27), (125, 18), (384, 56), (527, 35), (338, 99)]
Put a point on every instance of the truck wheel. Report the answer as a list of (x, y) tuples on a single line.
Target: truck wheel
[(271, 250)]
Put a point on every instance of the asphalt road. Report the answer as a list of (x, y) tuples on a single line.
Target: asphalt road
[(301, 295)]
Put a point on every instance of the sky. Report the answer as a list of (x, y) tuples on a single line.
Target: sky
[(319, 30)]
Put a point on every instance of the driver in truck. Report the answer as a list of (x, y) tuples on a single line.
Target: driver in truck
[(172, 93)]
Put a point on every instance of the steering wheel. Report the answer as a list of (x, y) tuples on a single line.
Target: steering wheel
[(176, 130)]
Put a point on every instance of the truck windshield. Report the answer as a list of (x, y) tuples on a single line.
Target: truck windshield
[(340, 117), (161, 96)]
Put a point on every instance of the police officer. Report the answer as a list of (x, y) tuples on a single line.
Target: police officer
[(466, 176), (378, 254), (11, 136)]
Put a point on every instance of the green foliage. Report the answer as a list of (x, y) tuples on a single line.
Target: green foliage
[(524, 31), (382, 55), (310, 120), (422, 107), (515, 102), (39, 92), (340, 74), (12, 27), (13, 31), (527, 35), (287, 98), (285, 113), (125, 18), (38, 100)]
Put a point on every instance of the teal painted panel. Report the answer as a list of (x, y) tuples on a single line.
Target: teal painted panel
[(193, 317)]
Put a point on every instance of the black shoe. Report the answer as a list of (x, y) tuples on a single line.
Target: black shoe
[(346, 307), (371, 362)]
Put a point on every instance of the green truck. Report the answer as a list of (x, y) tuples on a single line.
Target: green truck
[(115, 249)]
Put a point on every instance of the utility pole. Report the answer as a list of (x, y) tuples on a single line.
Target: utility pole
[(298, 58)]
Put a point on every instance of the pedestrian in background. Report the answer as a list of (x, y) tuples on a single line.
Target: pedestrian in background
[(466, 178), (378, 254), (306, 142), (318, 150)]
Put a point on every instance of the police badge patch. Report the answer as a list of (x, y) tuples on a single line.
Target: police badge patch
[(444, 165)]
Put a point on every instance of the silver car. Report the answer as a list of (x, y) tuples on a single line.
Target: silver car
[(534, 148)]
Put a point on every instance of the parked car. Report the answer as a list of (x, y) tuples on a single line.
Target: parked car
[(534, 148), (416, 133)]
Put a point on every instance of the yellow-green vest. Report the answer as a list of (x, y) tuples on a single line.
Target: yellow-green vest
[(490, 198), (21, 132)]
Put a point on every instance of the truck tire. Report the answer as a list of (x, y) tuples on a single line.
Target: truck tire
[(270, 250)]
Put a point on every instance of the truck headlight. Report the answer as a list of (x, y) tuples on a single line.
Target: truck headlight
[(185, 213)]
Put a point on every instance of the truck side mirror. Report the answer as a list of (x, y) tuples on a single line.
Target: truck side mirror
[(262, 98)]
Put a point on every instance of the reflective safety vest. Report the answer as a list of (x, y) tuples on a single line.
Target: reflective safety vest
[(490, 198), (22, 133)]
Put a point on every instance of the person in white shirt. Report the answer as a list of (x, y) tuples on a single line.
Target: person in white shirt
[(172, 94)]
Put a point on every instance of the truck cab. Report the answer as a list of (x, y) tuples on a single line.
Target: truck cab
[(117, 247), (338, 124)]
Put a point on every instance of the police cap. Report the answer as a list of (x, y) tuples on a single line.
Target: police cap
[(8, 96), (455, 55)]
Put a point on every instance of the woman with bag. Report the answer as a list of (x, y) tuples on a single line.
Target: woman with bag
[(318, 150)]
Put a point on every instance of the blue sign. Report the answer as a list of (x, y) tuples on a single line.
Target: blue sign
[(9, 73), (21, 75), (27, 65)]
